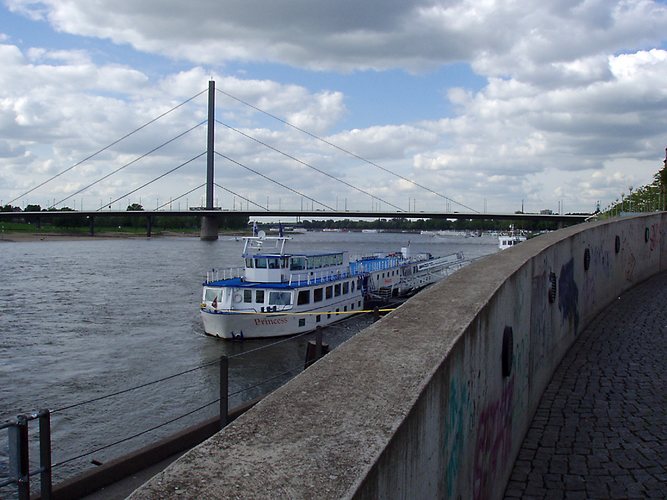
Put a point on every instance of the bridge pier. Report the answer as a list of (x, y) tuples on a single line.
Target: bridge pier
[(209, 228)]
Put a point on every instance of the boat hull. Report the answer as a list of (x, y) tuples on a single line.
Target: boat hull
[(239, 325)]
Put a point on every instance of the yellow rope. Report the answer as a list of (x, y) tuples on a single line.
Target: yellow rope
[(277, 313)]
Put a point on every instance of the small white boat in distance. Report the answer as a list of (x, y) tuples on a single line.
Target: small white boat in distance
[(509, 240)]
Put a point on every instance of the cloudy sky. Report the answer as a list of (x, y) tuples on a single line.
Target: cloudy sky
[(415, 105)]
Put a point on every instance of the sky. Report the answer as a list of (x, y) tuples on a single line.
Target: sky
[(441, 105)]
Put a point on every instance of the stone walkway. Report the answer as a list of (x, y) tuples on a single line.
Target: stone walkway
[(600, 430)]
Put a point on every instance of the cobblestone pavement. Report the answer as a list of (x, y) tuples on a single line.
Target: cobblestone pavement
[(600, 430)]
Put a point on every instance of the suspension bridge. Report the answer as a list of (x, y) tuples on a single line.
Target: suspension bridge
[(210, 214)]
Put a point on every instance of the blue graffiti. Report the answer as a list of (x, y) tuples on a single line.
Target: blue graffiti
[(454, 435)]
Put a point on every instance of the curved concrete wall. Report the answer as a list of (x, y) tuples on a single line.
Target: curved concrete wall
[(432, 401)]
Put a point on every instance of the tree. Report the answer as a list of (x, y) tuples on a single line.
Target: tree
[(663, 184), (135, 207)]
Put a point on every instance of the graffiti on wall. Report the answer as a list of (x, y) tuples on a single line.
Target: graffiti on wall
[(454, 431), (568, 296), (629, 263), (599, 274), (494, 441), (654, 236)]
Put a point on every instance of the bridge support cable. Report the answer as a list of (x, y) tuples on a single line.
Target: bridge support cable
[(274, 181), (171, 200), (217, 185), (242, 197), (346, 151), (309, 166), (150, 122), (152, 181), (129, 163)]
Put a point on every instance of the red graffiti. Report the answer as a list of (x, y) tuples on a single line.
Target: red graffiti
[(653, 241), (494, 441)]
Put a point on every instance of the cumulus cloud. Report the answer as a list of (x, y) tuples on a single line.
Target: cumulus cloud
[(573, 94)]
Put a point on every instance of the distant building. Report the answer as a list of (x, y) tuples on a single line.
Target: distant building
[(546, 211)]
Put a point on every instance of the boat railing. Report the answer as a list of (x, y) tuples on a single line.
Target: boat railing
[(446, 261), (316, 278), (224, 274), (376, 264)]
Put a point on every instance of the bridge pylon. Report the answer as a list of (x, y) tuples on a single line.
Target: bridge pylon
[(209, 223)]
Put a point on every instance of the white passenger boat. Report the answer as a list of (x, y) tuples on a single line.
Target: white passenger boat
[(509, 240), (279, 293)]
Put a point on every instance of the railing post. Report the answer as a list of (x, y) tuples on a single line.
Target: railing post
[(318, 343), (224, 391), (21, 457), (45, 454)]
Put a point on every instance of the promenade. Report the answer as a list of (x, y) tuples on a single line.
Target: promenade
[(600, 430)]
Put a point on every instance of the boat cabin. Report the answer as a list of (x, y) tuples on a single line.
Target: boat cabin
[(279, 267)]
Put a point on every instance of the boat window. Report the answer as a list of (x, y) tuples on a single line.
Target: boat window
[(353, 286), (259, 296), (298, 263), (329, 292), (346, 287), (337, 290), (247, 296), (302, 322), (260, 263), (248, 262), (317, 295), (303, 298), (211, 293), (280, 298), (274, 263), (317, 318)]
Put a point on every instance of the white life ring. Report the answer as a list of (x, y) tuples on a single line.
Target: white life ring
[(238, 297)]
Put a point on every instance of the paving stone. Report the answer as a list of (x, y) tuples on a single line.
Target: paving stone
[(601, 425)]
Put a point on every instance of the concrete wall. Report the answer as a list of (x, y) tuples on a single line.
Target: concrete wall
[(420, 405)]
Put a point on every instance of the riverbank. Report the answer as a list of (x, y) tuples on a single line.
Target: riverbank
[(20, 237)]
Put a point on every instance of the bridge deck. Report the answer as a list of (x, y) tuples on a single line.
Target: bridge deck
[(600, 430)]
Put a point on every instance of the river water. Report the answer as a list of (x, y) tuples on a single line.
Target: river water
[(86, 318)]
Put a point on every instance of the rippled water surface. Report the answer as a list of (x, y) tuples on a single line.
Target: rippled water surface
[(86, 318)]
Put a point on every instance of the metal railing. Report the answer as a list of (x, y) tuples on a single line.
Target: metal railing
[(19, 473), (224, 274), (316, 278), (19, 455)]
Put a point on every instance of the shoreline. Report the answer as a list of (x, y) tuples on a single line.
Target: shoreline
[(19, 237)]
